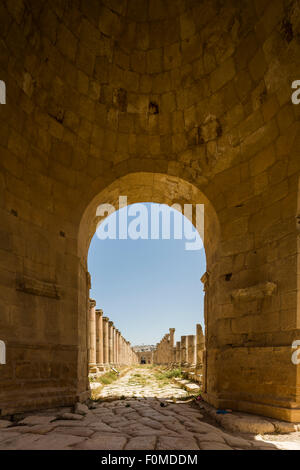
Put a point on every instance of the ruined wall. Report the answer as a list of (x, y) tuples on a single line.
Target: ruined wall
[(195, 94)]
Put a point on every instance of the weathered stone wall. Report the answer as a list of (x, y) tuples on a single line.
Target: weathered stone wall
[(104, 335), (185, 101)]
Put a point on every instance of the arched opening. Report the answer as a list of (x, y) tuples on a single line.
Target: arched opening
[(155, 188), (146, 261), (196, 94)]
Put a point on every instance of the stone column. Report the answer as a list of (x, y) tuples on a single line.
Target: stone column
[(183, 350), (190, 349), (92, 328), (113, 335), (115, 346), (122, 350), (110, 342), (105, 340), (199, 345), (87, 329), (205, 282), (177, 355), (119, 347), (99, 339), (128, 352), (171, 345)]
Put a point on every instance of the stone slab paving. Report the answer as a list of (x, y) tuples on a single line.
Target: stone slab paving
[(133, 423)]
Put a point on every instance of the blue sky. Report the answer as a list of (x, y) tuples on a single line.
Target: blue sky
[(147, 286)]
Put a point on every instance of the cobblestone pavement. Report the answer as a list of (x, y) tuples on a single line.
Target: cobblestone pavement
[(131, 423), (143, 382)]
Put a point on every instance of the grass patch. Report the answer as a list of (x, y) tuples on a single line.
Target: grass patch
[(168, 374), (108, 378), (137, 380)]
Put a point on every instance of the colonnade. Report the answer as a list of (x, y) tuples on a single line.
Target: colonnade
[(107, 347), (188, 352)]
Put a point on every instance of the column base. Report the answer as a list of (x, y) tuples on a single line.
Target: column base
[(283, 413), (93, 368)]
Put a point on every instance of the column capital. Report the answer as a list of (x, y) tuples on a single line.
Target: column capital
[(105, 319), (99, 311), (92, 303), (205, 280), (110, 323)]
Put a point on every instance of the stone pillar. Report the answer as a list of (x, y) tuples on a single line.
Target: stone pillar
[(92, 328), (190, 349), (205, 282), (177, 356), (165, 351), (88, 336), (105, 340), (171, 345), (125, 351), (200, 345), (113, 336), (115, 346), (110, 342), (99, 339), (121, 350), (128, 352), (183, 358)]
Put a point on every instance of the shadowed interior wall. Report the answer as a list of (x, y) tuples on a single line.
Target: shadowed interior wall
[(194, 94)]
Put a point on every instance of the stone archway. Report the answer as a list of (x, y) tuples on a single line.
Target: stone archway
[(142, 187), (193, 90)]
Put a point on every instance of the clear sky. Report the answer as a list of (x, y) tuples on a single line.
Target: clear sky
[(147, 286)]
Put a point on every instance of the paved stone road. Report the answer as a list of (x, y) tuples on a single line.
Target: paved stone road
[(134, 423), (143, 382)]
